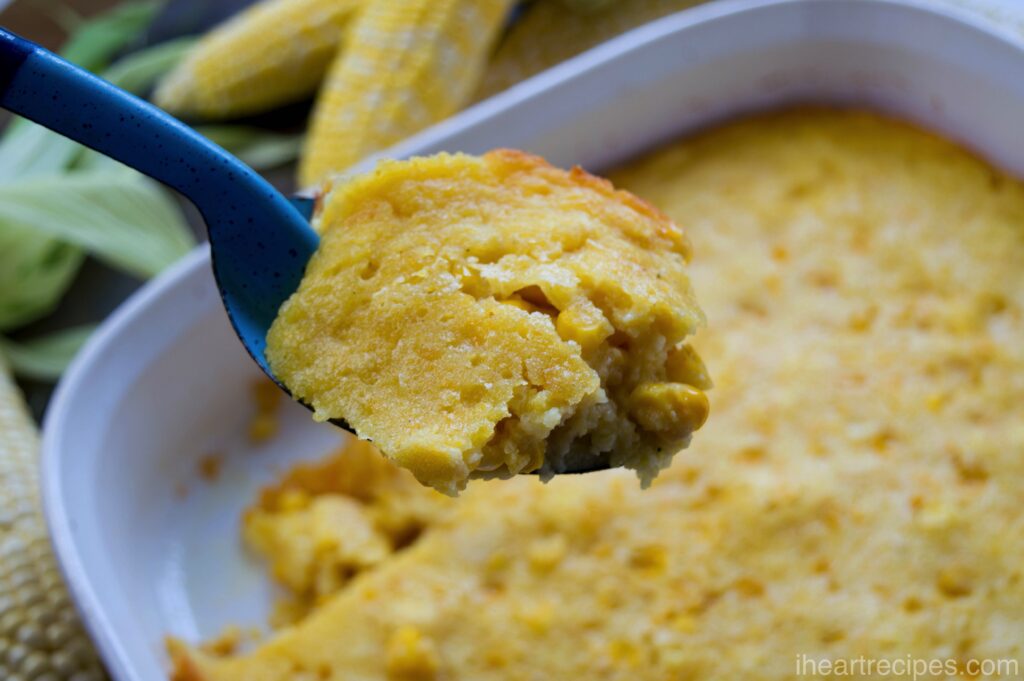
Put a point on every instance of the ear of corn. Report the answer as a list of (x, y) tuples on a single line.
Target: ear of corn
[(405, 66), (40, 636), (550, 32), (273, 53)]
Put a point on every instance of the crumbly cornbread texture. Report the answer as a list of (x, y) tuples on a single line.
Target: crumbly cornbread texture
[(488, 316), (858, 492)]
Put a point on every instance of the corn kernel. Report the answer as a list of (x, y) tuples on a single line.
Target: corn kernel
[(684, 365), (262, 428), (537, 617), (624, 652), (671, 409), (584, 324), (411, 656), (954, 582), (294, 500), (684, 624), (545, 554), (935, 400), (650, 557)]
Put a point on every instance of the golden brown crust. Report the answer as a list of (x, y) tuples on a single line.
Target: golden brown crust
[(528, 162), (577, 175)]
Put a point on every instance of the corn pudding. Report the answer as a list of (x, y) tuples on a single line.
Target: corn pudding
[(488, 316), (858, 491), (323, 524)]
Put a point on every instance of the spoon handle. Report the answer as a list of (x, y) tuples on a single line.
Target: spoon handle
[(51, 91), (260, 242)]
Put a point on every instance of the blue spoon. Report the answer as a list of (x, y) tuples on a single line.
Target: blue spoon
[(260, 240)]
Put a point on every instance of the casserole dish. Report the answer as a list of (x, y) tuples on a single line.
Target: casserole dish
[(163, 384)]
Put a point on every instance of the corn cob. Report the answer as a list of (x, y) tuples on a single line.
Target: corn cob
[(407, 64), (550, 32), (273, 53), (40, 636)]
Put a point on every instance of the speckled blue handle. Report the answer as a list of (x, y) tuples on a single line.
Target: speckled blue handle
[(260, 242)]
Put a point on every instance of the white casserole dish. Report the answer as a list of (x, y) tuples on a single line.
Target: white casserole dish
[(164, 382)]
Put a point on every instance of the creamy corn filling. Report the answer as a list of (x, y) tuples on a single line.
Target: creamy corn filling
[(857, 493), (483, 317)]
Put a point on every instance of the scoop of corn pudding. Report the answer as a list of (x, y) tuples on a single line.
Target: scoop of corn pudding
[(488, 316)]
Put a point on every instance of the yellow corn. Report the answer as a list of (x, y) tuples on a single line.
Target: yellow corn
[(273, 53), (550, 32), (40, 636), (406, 64)]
